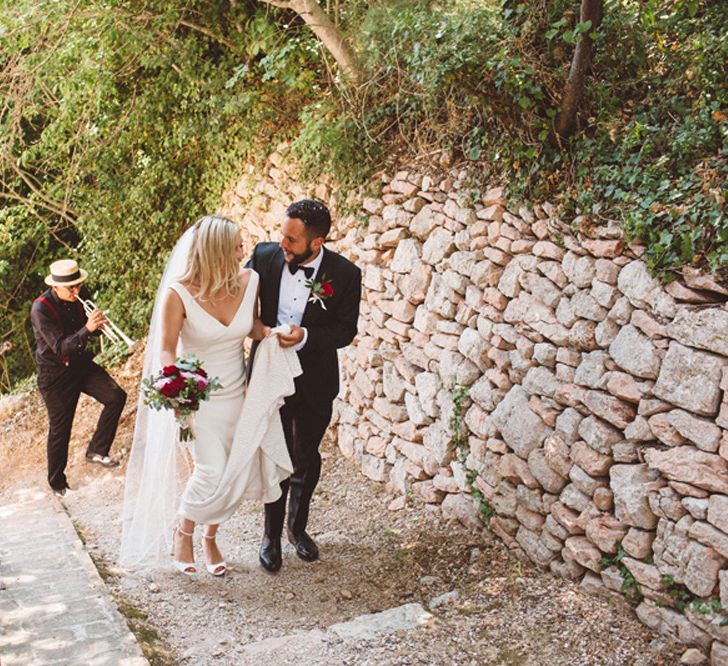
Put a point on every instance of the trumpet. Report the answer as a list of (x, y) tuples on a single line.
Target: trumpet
[(109, 329)]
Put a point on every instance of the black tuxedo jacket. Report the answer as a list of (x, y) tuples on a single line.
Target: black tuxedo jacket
[(328, 329)]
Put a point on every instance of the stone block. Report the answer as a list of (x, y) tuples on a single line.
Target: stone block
[(702, 432), (534, 547), (662, 429), (549, 478), (520, 428), (611, 409), (541, 381), (579, 270), (373, 467), (631, 502), (635, 353), (603, 499), (406, 256), (459, 507), (671, 623), (705, 328), (645, 574), (599, 435), (579, 549), (605, 532), (719, 653), (690, 465), (427, 492), (638, 543), (587, 307), (591, 371), (567, 425), (691, 379), (584, 482), (718, 512), (644, 291), (566, 517), (572, 497)]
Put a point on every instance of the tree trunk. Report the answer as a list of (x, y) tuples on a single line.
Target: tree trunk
[(316, 19), (591, 10)]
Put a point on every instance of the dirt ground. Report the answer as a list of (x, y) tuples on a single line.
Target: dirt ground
[(495, 609)]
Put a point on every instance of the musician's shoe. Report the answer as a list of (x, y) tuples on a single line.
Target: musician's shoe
[(105, 461), (61, 492)]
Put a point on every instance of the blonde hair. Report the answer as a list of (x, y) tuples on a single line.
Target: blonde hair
[(211, 264)]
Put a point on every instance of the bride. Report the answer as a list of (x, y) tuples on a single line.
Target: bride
[(206, 305)]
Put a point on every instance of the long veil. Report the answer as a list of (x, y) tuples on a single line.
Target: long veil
[(153, 475)]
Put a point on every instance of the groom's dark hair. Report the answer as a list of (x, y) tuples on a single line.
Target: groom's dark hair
[(313, 214)]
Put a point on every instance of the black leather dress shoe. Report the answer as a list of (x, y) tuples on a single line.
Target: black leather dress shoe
[(305, 546), (269, 554)]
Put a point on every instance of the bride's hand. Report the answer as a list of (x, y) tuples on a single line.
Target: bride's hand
[(259, 331)]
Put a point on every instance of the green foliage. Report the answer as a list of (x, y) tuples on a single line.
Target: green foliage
[(631, 589), (652, 150), (332, 143), (683, 599), (123, 122), (459, 441), (458, 429)]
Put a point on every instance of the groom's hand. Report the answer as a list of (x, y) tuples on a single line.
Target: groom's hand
[(293, 339)]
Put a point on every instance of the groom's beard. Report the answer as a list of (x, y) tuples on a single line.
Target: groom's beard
[(303, 257)]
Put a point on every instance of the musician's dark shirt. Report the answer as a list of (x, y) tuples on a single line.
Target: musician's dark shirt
[(64, 341)]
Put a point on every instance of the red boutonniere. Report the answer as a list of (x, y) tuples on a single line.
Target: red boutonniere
[(321, 290)]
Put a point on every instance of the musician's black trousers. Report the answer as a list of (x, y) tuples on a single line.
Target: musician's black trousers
[(61, 389), (303, 426)]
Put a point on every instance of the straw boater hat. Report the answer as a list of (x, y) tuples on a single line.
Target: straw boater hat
[(65, 273)]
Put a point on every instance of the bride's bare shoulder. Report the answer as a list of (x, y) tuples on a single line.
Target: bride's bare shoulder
[(245, 274)]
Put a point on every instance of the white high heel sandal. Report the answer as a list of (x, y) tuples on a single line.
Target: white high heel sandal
[(187, 568), (219, 568)]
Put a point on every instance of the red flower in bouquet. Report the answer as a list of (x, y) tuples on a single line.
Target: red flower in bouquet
[(180, 387)]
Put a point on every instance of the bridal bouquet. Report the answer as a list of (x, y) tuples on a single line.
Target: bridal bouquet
[(181, 387)]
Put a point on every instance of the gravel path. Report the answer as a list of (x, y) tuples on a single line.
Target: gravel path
[(489, 608)]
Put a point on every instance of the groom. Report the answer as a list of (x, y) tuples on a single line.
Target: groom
[(317, 292)]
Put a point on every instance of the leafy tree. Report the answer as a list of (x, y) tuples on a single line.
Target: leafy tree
[(589, 21), (315, 17), (121, 123)]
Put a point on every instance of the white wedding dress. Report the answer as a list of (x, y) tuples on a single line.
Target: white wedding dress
[(220, 348), (239, 449)]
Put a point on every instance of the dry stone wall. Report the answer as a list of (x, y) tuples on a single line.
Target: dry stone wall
[(589, 402)]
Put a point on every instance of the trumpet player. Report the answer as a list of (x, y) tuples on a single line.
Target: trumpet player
[(66, 369)]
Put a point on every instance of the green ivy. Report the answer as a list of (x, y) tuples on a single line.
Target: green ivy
[(683, 599), (631, 589), (459, 436)]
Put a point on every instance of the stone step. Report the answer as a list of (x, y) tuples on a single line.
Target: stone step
[(54, 607), (363, 627)]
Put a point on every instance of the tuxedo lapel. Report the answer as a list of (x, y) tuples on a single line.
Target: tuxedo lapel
[(274, 280), (313, 310)]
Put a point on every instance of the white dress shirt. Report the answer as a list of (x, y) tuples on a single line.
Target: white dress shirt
[(294, 295)]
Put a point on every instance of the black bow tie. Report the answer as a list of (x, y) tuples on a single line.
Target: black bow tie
[(308, 270)]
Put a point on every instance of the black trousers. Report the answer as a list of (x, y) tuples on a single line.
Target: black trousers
[(304, 427), (61, 389)]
